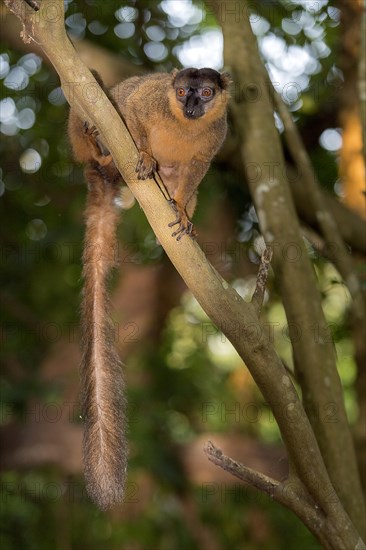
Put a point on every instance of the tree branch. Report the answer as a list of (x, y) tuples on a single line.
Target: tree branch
[(111, 66), (290, 493), (263, 483), (350, 225)]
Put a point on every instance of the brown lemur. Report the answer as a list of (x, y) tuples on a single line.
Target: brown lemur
[(178, 123)]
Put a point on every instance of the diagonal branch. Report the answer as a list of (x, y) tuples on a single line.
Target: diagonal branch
[(290, 493), (350, 225), (260, 481)]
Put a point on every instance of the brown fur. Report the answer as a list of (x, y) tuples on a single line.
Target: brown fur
[(102, 394), (181, 150)]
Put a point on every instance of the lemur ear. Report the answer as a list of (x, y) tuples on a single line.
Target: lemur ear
[(225, 80), (174, 73)]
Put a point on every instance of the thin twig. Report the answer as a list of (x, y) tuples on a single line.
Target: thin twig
[(260, 287), (255, 479), (291, 492), (33, 4)]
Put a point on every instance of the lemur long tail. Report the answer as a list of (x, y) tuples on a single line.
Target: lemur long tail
[(102, 385)]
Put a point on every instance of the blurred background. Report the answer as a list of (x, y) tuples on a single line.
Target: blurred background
[(185, 382)]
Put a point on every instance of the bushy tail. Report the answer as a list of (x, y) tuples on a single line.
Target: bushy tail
[(102, 385)]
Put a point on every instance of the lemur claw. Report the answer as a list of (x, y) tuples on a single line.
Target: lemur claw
[(90, 130), (182, 230)]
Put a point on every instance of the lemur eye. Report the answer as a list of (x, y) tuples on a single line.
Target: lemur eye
[(181, 92), (206, 92)]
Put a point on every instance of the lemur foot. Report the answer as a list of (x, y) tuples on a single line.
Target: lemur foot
[(92, 134), (185, 225)]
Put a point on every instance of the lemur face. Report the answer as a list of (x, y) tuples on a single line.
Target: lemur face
[(198, 90)]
